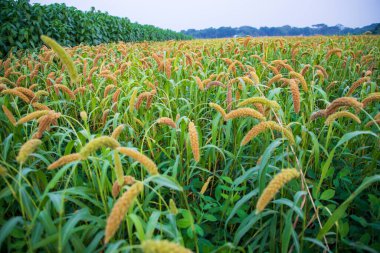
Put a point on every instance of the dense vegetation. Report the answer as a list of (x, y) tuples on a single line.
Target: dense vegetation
[(320, 29), (238, 145), (22, 24)]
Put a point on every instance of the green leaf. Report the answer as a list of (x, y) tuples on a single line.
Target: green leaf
[(264, 160), (69, 226), (326, 165), (152, 223), (8, 227), (210, 217), (360, 220), (290, 204), (138, 225), (187, 219), (199, 230), (286, 233), (248, 222), (328, 194), (351, 135), (317, 242), (240, 203), (339, 212), (6, 144), (163, 180)]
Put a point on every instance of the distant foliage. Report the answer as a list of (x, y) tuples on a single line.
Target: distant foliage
[(319, 29), (23, 23)]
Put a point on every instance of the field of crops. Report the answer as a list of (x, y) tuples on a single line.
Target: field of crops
[(237, 145)]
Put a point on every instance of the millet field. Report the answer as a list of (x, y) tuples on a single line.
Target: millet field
[(229, 145)]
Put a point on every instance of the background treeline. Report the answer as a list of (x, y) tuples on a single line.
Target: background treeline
[(23, 23), (319, 29)]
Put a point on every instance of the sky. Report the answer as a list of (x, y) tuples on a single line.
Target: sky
[(198, 14)]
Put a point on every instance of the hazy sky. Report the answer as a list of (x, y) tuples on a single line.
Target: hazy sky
[(178, 15)]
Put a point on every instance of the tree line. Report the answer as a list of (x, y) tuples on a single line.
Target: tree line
[(22, 24), (318, 29)]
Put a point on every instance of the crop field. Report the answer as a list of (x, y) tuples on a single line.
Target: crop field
[(233, 145)]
